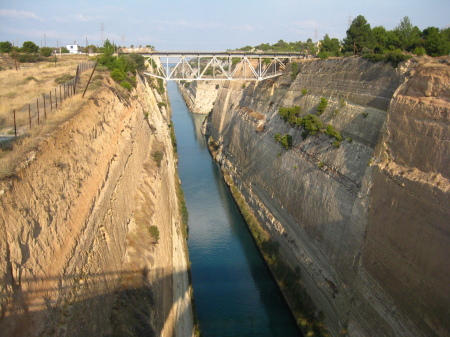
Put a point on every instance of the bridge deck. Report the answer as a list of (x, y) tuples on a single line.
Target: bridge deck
[(220, 54)]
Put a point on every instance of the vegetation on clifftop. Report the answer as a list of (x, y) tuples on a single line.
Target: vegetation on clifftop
[(362, 39), (124, 67)]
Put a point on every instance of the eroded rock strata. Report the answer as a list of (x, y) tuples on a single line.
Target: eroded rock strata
[(366, 222), (77, 256)]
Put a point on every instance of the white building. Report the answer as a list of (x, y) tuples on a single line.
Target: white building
[(73, 49)]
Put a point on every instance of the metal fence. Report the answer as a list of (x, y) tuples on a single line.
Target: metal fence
[(49, 102)]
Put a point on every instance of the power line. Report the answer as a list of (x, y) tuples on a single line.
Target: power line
[(102, 28)]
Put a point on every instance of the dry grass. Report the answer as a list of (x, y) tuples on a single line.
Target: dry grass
[(21, 87), (16, 152)]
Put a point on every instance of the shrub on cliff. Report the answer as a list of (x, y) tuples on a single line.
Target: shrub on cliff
[(394, 58), (117, 75), (126, 85), (312, 124), (290, 115), (294, 70), (322, 105), (333, 133), (285, 141), (154, 232)]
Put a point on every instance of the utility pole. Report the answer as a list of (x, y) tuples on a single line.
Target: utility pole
[(102, 28), (45, 40), (87, 51)]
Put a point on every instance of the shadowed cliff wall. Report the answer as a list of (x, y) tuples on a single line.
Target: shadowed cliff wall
[(327, 206)]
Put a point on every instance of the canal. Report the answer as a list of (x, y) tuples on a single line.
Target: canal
[(234, 292)]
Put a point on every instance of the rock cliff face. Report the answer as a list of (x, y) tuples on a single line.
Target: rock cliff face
[(200, 95), (77, 257), (366, 223)]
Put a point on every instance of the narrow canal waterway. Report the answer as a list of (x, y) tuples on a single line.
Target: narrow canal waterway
[(234, 292)]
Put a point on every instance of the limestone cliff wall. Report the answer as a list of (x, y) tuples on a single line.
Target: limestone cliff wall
[(200, 95), (77, 257), (326, 205)]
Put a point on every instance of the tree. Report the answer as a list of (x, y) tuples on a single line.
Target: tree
[(108, 48), (92, 49), (409, 35), (380, 39), (435, 44), (5, 47), (46, 51), (29, 47), (359, 35), (330, 46)]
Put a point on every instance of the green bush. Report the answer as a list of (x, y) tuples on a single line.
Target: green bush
[(118, 75), (304, 92), (30, 58), (324, 55), (160, 89), (46, 51), (285, 141), (394, 58), (312, 124), (154, 232), (161, 104), (64, 78), (157, 157), (332, 133), (290, 115), (294, 71), (126, 85), (322, 105), (420, 51), (29, 47)]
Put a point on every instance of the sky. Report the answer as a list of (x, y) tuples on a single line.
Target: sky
[(203, 25)]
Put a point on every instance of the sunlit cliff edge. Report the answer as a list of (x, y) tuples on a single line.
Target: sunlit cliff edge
[(77, 256)]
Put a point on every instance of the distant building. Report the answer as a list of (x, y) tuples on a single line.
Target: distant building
[(73, 49)]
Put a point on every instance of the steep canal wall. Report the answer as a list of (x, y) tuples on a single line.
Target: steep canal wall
[(363, 221), (91, 237)]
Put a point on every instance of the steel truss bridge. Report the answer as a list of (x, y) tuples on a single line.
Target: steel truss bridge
[(195, 66)]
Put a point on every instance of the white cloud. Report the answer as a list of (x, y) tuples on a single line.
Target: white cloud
[(84, 18), (12, 13)]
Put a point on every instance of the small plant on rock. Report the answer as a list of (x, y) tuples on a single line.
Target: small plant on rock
[(154, 232), (322, 105)]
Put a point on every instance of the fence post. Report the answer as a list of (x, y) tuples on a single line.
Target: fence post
[(60, 96), (51, 103), (45, 109), (95, 66), (29, 113), (56, 99), (37, 108), (15, 126)]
